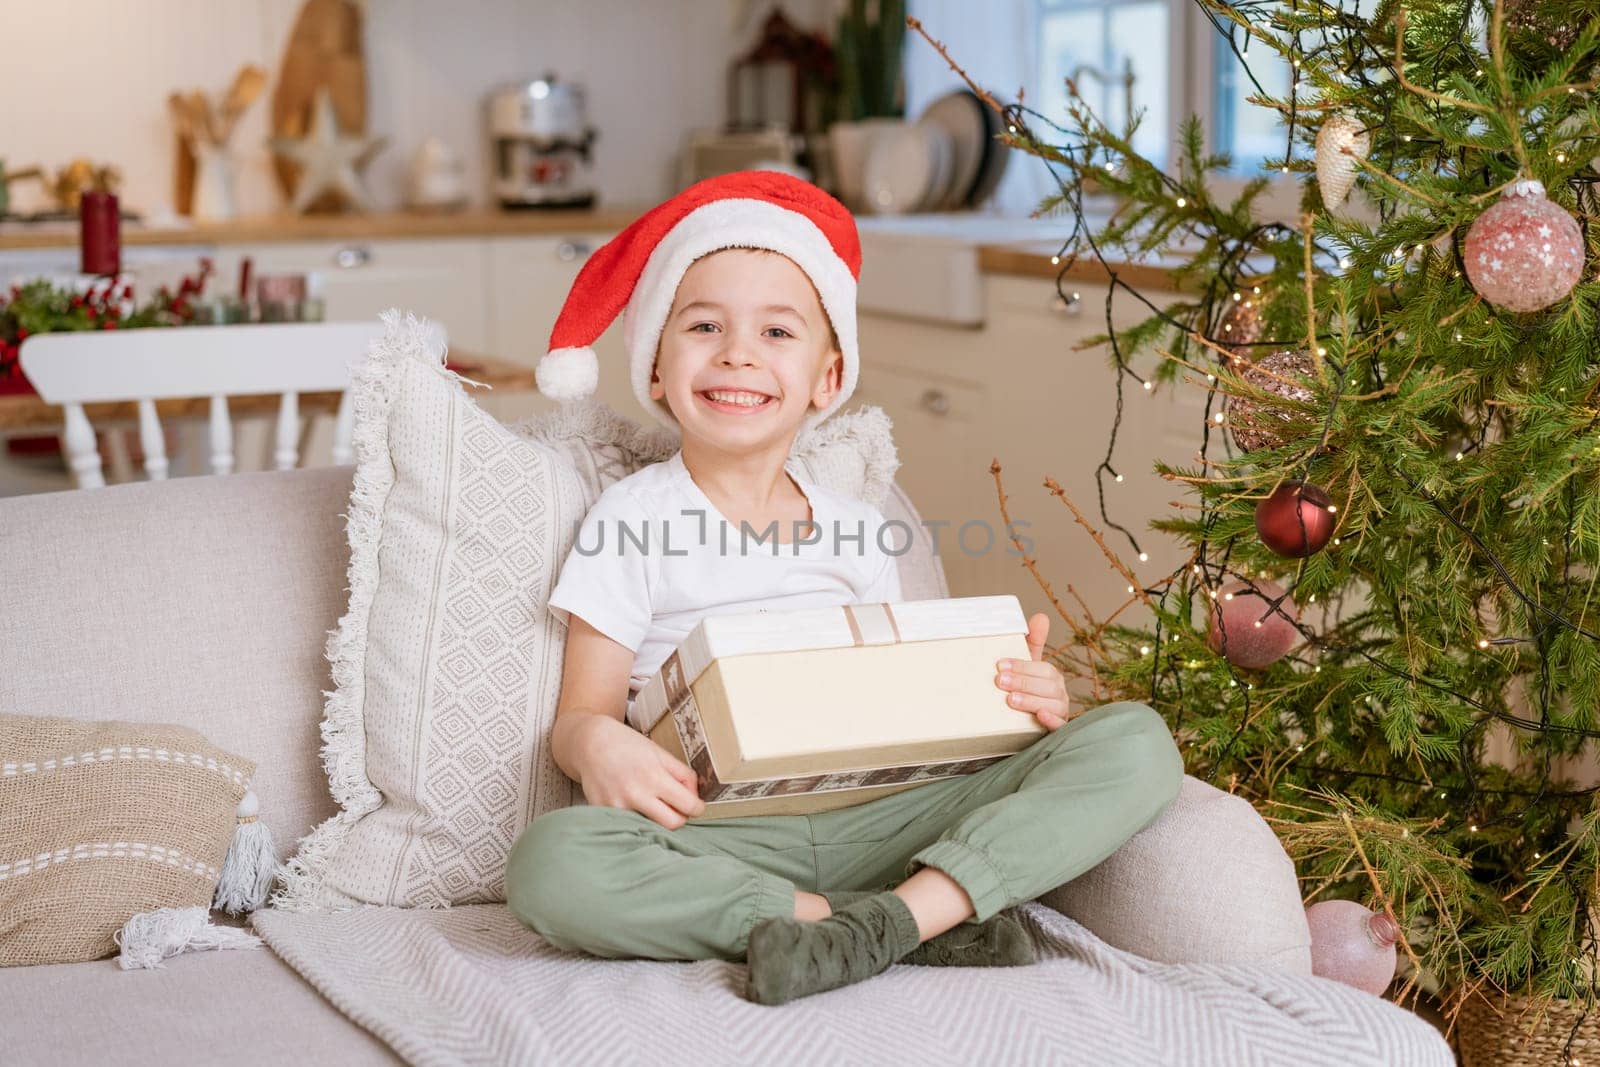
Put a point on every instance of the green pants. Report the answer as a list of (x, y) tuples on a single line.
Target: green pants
[(616, 883)]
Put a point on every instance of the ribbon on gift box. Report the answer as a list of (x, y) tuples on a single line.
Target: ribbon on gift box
[(872, 624)]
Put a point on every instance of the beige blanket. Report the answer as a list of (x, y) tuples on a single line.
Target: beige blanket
[(470, 985)]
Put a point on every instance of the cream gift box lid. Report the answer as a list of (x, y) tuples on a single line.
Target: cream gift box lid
[(851, 625)]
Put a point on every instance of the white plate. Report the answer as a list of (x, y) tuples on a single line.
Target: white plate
[(944, 166), (900, 170), (961, 114)]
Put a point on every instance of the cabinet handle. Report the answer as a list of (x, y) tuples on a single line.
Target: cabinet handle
[(1060, 306), (570, 250), (936, 401), (352, 256)]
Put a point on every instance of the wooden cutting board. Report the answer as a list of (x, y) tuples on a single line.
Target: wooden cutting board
[(324, 49)]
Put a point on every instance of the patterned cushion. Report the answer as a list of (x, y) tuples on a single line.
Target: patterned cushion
[(102, 820), (447, 664)]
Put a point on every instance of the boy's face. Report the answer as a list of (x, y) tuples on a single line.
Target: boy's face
[(748, 326)]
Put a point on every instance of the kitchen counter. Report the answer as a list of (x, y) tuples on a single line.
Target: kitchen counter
[(1003, 245), (1032, 259), (482, 222)]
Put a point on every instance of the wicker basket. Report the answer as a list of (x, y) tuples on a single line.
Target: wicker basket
[(1495, 1033)]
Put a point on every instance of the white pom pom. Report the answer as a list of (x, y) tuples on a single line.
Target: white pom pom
[(568, 373)]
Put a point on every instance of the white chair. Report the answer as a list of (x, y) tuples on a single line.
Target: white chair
[(151, 364)]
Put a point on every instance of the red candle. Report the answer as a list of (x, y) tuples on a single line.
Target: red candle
[(99, 233)]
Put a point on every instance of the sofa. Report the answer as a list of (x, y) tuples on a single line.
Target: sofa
[(206, 601)]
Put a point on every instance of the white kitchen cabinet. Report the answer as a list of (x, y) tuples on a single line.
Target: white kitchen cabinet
[(941, 426), (529, 279), (924, 377), (1015, 390), (445, 279)]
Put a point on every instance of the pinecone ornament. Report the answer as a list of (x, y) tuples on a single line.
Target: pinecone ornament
[(1336, 168)]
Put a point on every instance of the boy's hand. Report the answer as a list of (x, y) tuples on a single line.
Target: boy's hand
[(1033, 685), (622, 768)]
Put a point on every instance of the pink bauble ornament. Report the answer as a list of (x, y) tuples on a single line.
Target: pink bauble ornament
[(1256, 636), (1353, 945), (1525, 252)]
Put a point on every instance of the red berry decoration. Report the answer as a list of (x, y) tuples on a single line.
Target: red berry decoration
[(1256, 635), (1296, 521), (1524, 253)]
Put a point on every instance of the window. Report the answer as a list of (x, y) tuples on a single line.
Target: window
[(1249, 133), (1116, 51), (1180, 65)]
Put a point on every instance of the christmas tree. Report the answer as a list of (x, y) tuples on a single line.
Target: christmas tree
[(1387, 634)]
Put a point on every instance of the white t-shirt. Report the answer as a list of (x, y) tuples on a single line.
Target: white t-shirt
[(654, 556)]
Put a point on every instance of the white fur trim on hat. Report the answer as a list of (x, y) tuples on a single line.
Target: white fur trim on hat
[(567, 373), (737, 222)]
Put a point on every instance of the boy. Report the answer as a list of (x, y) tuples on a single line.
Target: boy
[(740, 326)]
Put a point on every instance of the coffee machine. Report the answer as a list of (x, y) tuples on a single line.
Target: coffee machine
[(540, 145)]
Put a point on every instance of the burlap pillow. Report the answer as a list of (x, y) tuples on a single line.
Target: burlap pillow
[(447, 664), (102, 820)]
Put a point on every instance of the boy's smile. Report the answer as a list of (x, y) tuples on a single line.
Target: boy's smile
[(746, 350), (736, 401)]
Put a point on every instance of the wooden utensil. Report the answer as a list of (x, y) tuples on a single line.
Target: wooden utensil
[(183, 163), (201, 117), (183, 170), (247, 86)]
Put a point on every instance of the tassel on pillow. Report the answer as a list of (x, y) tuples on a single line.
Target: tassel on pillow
[(248, 871), (251, 864), (152, 936)]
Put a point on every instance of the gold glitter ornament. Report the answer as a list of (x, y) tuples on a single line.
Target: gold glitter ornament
[(1257, 424), (1559, 28), (1239, 326)]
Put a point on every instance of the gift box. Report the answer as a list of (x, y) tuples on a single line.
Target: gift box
[(797, 712)]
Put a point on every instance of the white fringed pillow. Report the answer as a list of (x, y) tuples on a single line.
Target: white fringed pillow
[(447, 663)]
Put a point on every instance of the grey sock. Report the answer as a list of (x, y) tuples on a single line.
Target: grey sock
[(791, 958), (1001, 941)]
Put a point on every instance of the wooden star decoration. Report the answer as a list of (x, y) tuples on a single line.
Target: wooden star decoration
[(328, 159)]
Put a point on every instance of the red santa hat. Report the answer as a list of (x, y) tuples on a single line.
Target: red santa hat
[(638, 271)]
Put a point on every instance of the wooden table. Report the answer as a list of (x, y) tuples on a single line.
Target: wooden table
[(27, 413)]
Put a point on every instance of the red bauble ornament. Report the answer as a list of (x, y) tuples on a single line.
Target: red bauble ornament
[(1257, 636), (1296, 521), (1524, 253), (1353, 945)]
